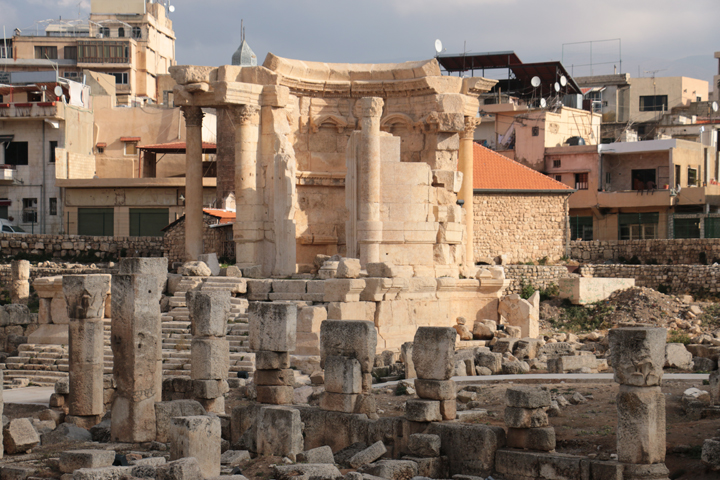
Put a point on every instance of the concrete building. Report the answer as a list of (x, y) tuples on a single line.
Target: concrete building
[(716, 81), (130, 39)]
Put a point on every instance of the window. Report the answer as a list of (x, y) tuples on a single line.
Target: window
[(644, 179), (4, 204), (70, 53), (653, 103), (29, 212), (53, 146), (535, 131), (581, 181), (70, 74), (96, 221), (136, 32), (148, 222), (556, 163), (105, 31), (103, 52), (558, 178), (678, 173), (53, 206), (581, 228), (638, 226), (121, 32), (686, 227), (698, 99), (131, 148), (46, 52), (120, 78), (608, 177), (34, 97), (692, 177), (16, 153)]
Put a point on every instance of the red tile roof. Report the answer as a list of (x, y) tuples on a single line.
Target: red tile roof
[(493, 171), (225, 216)]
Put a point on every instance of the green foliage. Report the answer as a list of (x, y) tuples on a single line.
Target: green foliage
[(678, 336), (527, 290), (711, 315), (582, 318), (543, 261)]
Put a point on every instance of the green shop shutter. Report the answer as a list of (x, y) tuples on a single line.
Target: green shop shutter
[(96, 222), (712, 227), (148, 222), (638, 218), (686, 227)]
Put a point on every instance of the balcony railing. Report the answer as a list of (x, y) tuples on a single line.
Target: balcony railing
[(29, 110)]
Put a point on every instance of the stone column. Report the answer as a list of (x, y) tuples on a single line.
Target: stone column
[(20, 286), (85, 299), (638, 356), (433, 354), (466, 166), (249, 228), (193, 183), (136, 340), (369, 224), (209, 351)]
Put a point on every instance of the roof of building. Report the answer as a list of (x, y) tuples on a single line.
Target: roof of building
[(244, 56), (493, 171), (223, 216), (174, 147)]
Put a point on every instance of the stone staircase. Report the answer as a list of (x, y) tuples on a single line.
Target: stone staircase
[(44, 364)]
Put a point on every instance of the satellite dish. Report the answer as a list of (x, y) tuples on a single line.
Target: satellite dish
[(563, 80), (543, 103), (715, 106), (557, 87), (58, 91), (171, 8), (535, 82), (438, 46)]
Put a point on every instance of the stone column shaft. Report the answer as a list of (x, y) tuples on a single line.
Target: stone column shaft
[(466, 166), (369, 225), (193, 183), (20, 283)]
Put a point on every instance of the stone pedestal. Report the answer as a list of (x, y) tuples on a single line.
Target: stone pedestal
[(193, 183), (20, 281), (199, 437)]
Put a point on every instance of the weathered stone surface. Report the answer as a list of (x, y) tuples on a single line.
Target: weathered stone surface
[(436, 389), (527, 397), (391, 469), (711, 454), (75, 459), (521, 313), (423, 410), (165, 411), (279, 432), (482, 331), (199, 437), (434, 352), (339, 402), (19, 436), (424, 445), (348, 268), (349, 338), (542, 438), (677, 356), (209, 358), (86, 367), (322, 454), (491, 361), (234, 457), (209, 389), (274, 377), (641, 425), (208, 312), (715, 387), (85, 295), (182, 469), (195, 269), (265, 360), (525, 417), (343, 375), (637, 355), (66, 433), (132, 419), (522, 464), (275, 395), (369, 455), (448, 409), (306, 471), (211, 260), (273, 326), (585, 290), (154, 266), (105, 473), (572, 363)]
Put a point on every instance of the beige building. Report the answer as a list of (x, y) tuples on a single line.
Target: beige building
[(129, 39), (716, 81)]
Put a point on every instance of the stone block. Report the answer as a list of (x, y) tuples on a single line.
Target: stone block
[(349, 338), (265, 360), (369, 455), (156, 267), (448, 409), (208, 312), (423, 410), (306, 471), (711, 454), (434, 352), (424, 445), (542, 438), (133, 421), (637, 355), (275, 395), (199, 437), (20, 270), (521, 313), (436, 389), (641, 424), (343, 289), (571, 363), (491, 361), (586, 290), (113, 473), (279, 432), (715, 387), (348, 268), (75, 459), (273, 326), (211, 260), (275, 377), (19, 436), (243, 426), (182, 469), (310, 318), (165, 411), (85, 295), (209, 358), (351, 311), (86, 389), (391, 469), (431, 467), (343, 375), (517, 464), (406, 358), (654, 471), (525, 417), (527, 397), (605, 470), (322, 454), (209, 389), (677, 356), (338, 402)]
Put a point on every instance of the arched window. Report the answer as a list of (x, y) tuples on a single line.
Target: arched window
[(121, 32)]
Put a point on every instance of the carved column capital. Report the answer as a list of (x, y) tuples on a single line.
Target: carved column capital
[(193, 116), (244, 115), (471, 124)]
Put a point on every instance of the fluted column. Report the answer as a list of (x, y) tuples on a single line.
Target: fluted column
[(248, 230), (369, 224), (193, 183), (466, 166)]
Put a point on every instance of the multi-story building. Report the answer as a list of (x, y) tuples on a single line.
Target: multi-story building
[(129, 39)]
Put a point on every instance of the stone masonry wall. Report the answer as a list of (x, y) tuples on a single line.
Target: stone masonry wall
[(214, 240), (74, 245), (524, 226), (539, 276), (676, 251)]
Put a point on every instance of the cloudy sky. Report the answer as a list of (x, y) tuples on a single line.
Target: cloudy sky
[(667, 36)]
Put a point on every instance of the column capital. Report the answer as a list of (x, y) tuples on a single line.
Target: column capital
[(193, 116), (371, 106), (244, 115), (471, 124)]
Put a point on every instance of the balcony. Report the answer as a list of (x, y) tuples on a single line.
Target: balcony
[(32, 110), (709, 194)]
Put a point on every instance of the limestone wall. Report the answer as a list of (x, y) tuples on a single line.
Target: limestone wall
[(74, 245), (539, 276), (214, 240), (523, 226), (677, 251)]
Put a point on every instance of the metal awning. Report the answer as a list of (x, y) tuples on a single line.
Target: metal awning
[(176, 148)]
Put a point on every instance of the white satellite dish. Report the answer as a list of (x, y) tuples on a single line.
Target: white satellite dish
[(535, 82), (58, 91), (438, 46), (557, 87), (171, 8), (543, 103), (563, 80), (715, 106)]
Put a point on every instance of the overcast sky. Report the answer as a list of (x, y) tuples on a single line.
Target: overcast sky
[(670, 36)]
